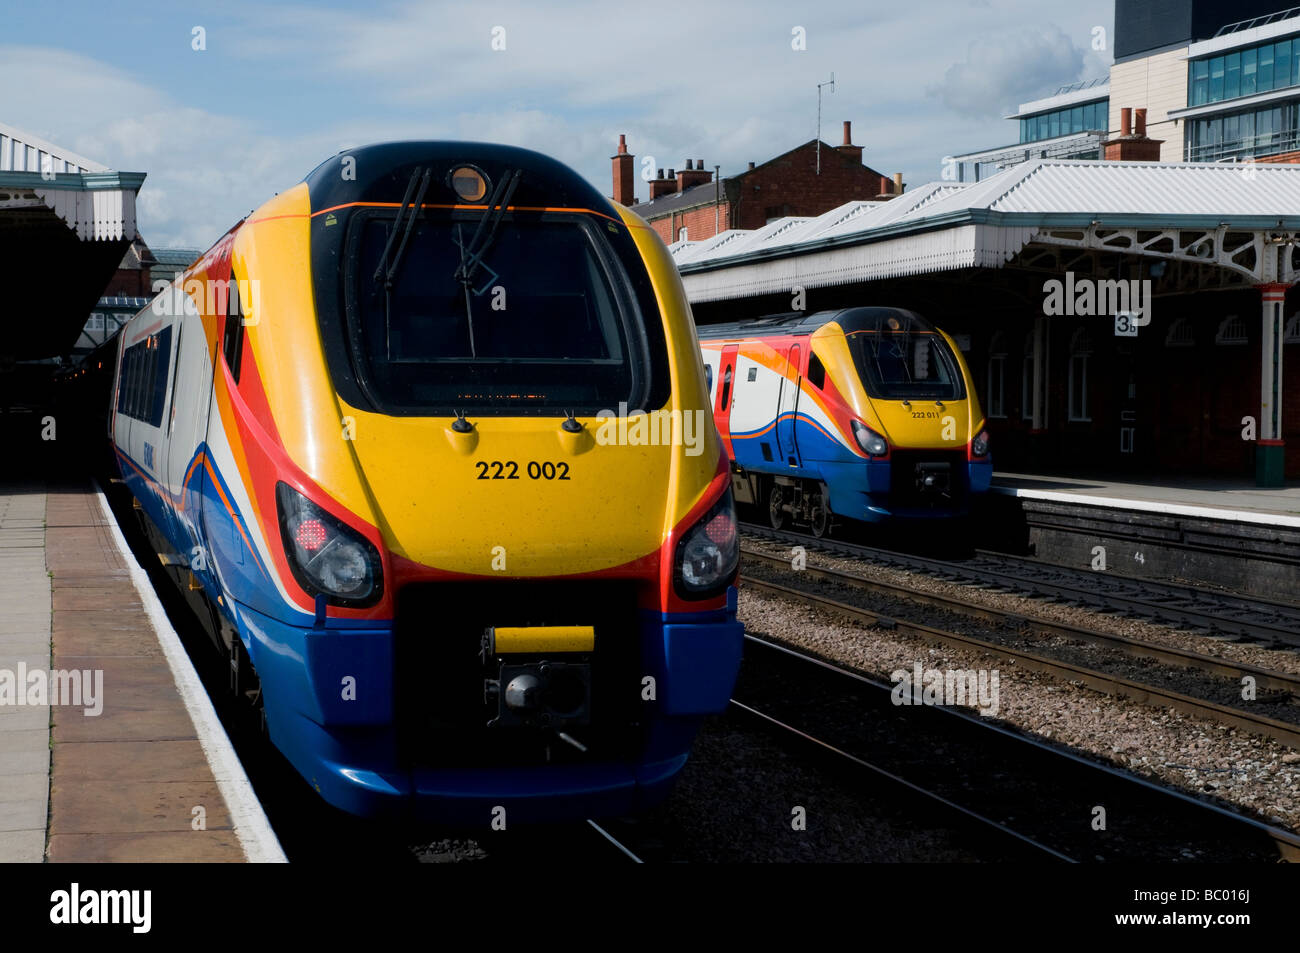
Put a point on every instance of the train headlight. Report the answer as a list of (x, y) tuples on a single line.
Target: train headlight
[(979, 447), (708, 554), (325, 555), (871, 442)]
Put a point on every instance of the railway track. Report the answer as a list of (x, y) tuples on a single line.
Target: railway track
[(1274, 623), (622, 849), (949, 812), (1050, 800), (1286, 732)]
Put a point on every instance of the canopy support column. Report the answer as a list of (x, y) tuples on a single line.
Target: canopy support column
[(1270, 453)]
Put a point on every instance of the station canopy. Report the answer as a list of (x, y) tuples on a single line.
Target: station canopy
[(65, 223), (1214, 225)]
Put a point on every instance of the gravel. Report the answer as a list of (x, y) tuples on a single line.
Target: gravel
[(1281, 660), (1200, 757), (1224, 690)]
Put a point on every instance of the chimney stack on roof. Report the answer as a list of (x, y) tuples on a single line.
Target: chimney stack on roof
[(693, 175), (1132, 144), (662, 184), (624, 185), (891, 188), (847, 148)]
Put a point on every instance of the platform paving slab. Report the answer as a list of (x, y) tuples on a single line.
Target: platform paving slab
[(124, 783), (25, 614)]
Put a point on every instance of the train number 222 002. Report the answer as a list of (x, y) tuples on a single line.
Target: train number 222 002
[(509, 470)]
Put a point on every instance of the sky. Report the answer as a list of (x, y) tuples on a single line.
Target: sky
[(225, 104)]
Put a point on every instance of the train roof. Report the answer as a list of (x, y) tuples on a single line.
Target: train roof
[(380, 173), (800, 323)]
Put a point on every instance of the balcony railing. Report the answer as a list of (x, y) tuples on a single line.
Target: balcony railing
[(1267, 144)]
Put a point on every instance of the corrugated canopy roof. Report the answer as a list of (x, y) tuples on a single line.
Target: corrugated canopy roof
[(946, 225)]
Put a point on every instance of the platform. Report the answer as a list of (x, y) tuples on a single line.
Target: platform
[(1237, 500), (127, 752), (1214, 531)]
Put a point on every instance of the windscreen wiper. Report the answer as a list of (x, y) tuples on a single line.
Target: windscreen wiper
[(387, 271), (471, 255)]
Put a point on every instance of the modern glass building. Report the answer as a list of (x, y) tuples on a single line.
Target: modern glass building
[(1069, 124), (1243, 90)]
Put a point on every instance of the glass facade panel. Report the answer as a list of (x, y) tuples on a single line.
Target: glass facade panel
[(1064, 122), (1232, 76), (1199, 93), (1253, 132), (1256, 69)]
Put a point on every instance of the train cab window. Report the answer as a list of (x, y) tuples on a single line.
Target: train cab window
[(726, 390), (233, 341), (816, 372), (708, 378), (541, 321), (901, 357)]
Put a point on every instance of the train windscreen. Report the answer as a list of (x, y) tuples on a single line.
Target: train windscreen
[(540, 318), (901, 358)]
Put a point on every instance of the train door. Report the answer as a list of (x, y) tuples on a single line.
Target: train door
[(787, 407), (725, 386), (185, 425)]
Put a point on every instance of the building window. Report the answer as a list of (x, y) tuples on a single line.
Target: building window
[(1080, 354), (1256, 132), (1065, 122), (1181, 334), (995, 393), (1255, 69), (1232, 330), (1291, 335), (1027, 380), (681, 234)]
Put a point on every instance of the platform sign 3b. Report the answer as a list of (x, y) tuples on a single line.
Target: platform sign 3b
[(1127, 323)]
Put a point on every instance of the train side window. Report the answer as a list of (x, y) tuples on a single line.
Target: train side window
[(233, 344), (124, 383), (157, 395), (726, 389), (171, 415), (816, 372), (137, 371)]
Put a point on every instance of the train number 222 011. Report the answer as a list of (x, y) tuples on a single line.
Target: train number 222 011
[(509, 470)]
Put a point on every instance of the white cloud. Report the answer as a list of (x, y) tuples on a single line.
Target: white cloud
[(1002, 70), (682, 80)]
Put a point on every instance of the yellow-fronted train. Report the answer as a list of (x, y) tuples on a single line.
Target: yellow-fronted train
[(363, 430)]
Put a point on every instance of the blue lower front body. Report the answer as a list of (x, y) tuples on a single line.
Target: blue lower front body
[(865, 490), (330, 706), (861, 489)]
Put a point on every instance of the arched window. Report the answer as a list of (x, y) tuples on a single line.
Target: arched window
[(1291, 334), (1232, 330), (1080, 354), (1181, 334), (995, 404), (681, 234), (1027, 380)]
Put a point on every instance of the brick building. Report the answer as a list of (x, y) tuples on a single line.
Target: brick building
[(688, 203)]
